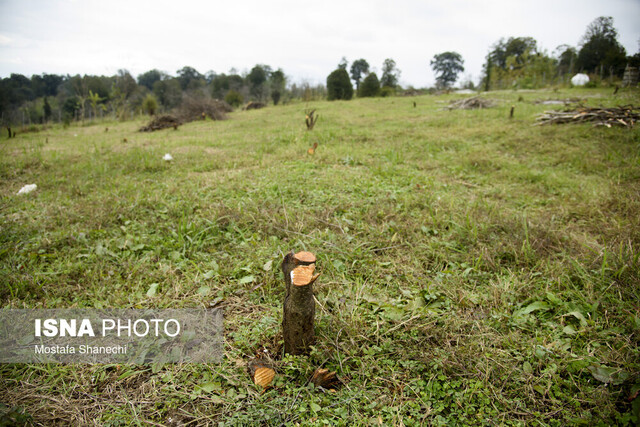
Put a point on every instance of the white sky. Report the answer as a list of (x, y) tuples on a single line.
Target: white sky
[(306, 39)]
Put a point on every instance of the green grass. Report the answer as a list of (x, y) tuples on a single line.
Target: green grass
[(475, 269)]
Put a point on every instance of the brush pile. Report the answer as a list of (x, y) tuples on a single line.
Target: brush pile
[(195, 108), (191, 109), (625, 116), (161, 122), (475, 102)]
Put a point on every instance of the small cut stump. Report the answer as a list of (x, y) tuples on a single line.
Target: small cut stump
[(299, 305)]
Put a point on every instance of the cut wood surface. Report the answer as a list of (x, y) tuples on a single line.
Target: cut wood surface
[(305, 257)]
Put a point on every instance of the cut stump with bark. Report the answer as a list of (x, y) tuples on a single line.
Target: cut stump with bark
[(299, 305)]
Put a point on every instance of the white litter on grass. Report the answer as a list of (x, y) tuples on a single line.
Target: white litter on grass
[(27, 189), (579, 79), (167, 157)]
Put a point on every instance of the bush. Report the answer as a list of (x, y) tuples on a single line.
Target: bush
[(370, 86), (339, 85), (150, 104), (387, 91), (234, 98)]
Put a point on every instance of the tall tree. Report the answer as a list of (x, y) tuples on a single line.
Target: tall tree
[(390, 73), (339, 85), (46, 109), (257, 78), (517, 62), (125, 84), (148, 78), (359, 68), (168, 92), (447, 66), (277, 82), (370, 86), (600, 48), (566, 56), (190, 78)]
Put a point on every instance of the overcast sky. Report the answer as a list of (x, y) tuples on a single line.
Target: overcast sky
[(306, 39)]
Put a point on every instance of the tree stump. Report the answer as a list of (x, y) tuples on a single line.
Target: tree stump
[(299, 305)]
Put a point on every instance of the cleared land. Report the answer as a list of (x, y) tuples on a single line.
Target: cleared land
[(475, 269)]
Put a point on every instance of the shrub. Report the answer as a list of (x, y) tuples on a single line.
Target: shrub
[(339, 85), (370, 86), (387, 91), (150, 104), (234, 98)]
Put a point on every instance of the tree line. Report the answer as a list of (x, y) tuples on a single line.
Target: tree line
[(519, 62), (516, 62), (64, 98)]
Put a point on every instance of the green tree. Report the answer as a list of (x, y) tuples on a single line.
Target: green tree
[(517, 62), (125, 84), (168, 92), (359, 68), (370, 86), (343, 63), (190, 78), (566, 56), (514, 47), (94, 100), (46, 109), (234, 98), (390, 74), (447, 66), (149, 78), (150, 104), (256, 79), (339, 85), (220, 86), (277, 82), (600, 48)]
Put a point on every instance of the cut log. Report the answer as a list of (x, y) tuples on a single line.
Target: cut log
[(299, 305), (325, 379), (261, 370)]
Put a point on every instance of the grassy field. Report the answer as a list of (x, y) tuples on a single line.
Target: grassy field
[(475, 269)]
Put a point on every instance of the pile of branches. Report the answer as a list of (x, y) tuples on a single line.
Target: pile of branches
[(472, 103), (625, 116), (161, 122), (192, 108), (196, 108)]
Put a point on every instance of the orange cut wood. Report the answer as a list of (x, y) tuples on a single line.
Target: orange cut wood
[(304, 257), (303, 275), (264, 376), (312, 150)]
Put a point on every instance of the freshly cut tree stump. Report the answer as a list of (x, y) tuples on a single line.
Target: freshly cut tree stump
[(299, 305)]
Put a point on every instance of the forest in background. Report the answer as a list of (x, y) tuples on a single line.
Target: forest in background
[(513, 63)]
